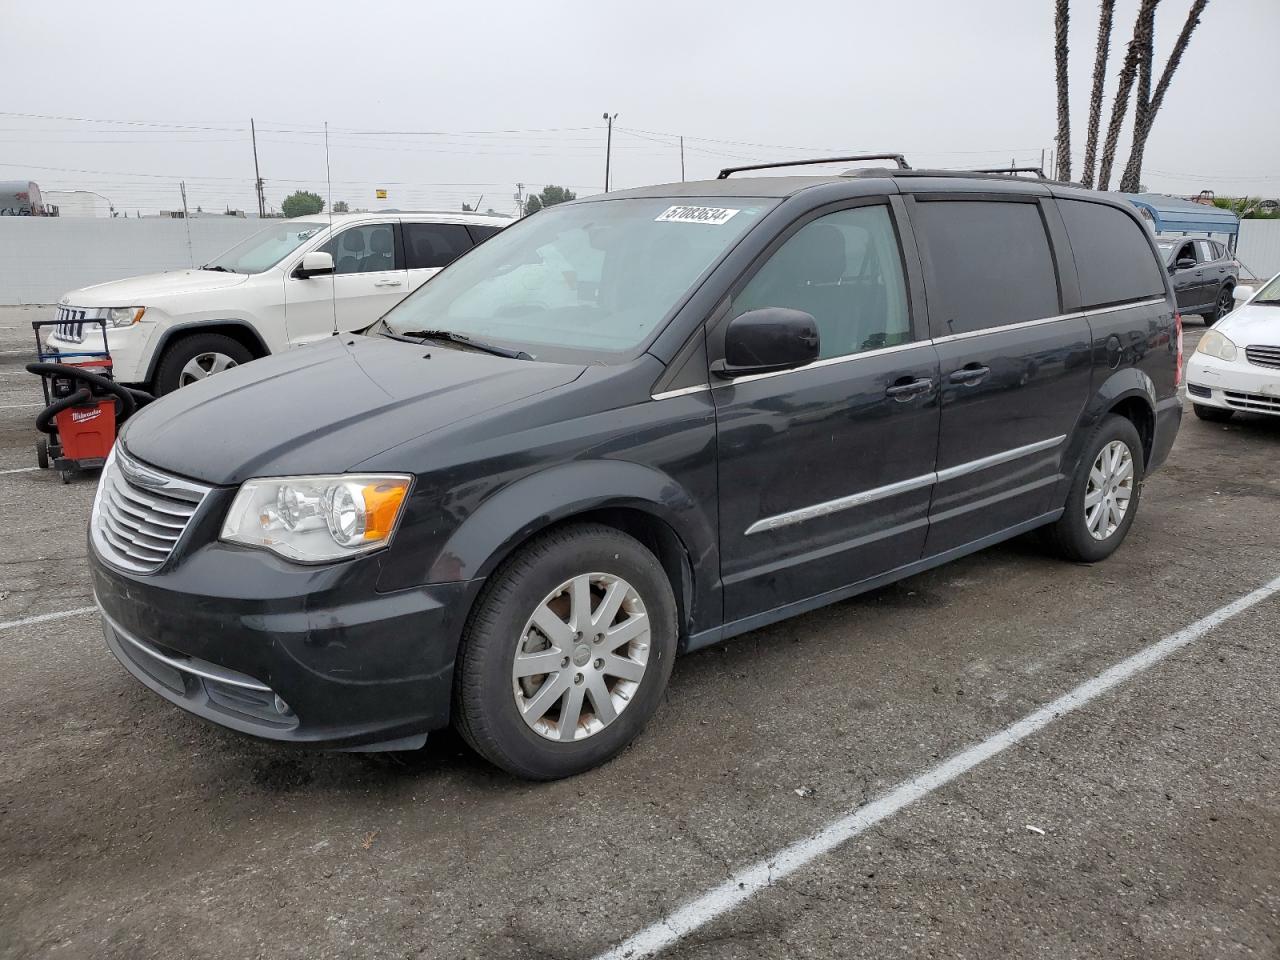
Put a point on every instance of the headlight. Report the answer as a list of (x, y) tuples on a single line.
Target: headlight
[(125, 316), (316, 519), (1214, 344)]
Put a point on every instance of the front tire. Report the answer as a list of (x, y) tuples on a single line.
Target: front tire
[(196, 356), (1104, 494), (566, 654), (1212, 414)]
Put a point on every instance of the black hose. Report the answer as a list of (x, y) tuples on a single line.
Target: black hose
[(45, 417), (126, 402)]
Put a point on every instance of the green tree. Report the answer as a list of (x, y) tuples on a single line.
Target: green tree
[(548, 197), (340, 206), (302, 203)]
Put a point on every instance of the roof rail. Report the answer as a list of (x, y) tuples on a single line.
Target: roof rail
[(896, 157), (1038, 171)]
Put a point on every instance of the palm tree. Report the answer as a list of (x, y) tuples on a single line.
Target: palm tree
[(1143, 31), (1061, 20), (1105, 18), (1145, 116)]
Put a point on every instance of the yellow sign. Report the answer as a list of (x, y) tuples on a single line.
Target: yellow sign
[(380, 194)]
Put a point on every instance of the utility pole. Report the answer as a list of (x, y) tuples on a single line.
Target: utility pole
[(608, 149), (186, 218), (682, 159), (257, 177)]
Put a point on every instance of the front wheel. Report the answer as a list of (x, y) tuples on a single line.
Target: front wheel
[(1212, 414), (196, 356), (1104, 494), (567, 653)]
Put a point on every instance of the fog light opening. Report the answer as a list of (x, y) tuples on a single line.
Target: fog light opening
[(282, 708)]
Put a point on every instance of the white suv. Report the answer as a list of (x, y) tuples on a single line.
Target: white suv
[(282, 287)]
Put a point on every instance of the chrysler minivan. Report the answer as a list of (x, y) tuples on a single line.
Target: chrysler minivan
[(625, 428)]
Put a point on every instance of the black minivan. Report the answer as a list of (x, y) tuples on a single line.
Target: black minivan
[(631, 426)]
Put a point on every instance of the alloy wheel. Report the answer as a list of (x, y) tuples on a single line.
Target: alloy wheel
[(1225, 302), (204, 365), (1110, 488), (581, 657)]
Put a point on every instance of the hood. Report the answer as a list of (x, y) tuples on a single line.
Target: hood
[(142, 291), (1251, 324), (326, 407)]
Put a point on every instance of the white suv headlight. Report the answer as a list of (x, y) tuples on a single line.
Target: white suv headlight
[(125, 316), (317, 519), (1214, 344)]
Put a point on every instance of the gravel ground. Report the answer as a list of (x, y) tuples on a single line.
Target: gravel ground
[(131, 830)]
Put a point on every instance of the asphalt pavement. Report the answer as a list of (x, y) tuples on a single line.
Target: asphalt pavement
[(1143, 823)]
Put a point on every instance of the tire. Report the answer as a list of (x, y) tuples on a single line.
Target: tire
[(1070, 536), (491, 704), (42, 452), (1212, 414), (193, 347), (1221, 307)]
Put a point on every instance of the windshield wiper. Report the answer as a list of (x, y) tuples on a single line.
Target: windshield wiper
[(218, 269), (450, 337)]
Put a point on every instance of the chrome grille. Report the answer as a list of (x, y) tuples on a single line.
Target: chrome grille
[(1263, 356), (140, 514), (70, 324)]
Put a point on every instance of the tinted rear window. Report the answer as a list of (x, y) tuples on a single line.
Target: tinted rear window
[(1113, 258), (434, 244), (989, 264), (481, 232)]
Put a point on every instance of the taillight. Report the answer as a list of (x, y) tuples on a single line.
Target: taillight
[(1177, 374)]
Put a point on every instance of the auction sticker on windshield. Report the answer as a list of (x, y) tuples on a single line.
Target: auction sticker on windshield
[(712, 215)]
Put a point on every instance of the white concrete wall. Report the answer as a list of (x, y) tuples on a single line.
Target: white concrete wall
[(41, 258), (1259, 246)]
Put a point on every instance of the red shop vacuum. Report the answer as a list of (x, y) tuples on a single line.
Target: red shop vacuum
[(84, 406)]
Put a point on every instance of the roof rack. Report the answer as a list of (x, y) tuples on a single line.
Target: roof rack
[(1012, 171), (857, 157)]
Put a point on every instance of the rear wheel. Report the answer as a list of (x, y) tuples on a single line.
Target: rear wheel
[(42, 452), (195, 357), (1212, 414), (567, 653), (1221, 307), (1104, 494)]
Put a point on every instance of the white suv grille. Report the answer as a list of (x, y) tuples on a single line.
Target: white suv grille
[(140, 514), (70, 324)]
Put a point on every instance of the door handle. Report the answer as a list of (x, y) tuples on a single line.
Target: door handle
[(969, 375), (387, 283), (904, 389)]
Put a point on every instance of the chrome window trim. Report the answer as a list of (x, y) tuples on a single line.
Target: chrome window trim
[(846, 358), (827, 507)]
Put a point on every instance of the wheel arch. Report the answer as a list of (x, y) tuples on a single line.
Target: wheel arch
[(637, 500), (1129, 393), (241, 331)]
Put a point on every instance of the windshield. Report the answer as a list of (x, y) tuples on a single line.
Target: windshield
[(267, 247), (1166, 247), (1270, 294), (591, 277)]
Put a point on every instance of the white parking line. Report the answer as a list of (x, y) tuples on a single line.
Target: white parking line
[(751, 880), (20, 470), (41, 618)]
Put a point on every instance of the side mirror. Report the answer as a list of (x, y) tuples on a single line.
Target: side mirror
[(1186, 263), (763, 341), (1242, 293), (317, 263)]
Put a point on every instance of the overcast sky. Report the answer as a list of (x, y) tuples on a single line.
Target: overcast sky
[(430, 100)]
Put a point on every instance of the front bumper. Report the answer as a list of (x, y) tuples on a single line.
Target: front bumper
[(1233, 385), (127, 346), (305, 655)]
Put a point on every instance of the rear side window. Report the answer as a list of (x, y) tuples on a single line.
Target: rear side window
[(989, 264), (480, 232), (1207, 250), (1113, 257), (434, 244)]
